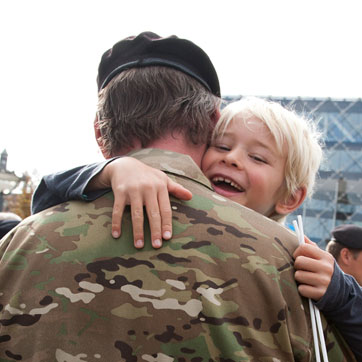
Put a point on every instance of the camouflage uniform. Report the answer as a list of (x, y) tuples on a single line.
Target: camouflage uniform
[(222, 289)]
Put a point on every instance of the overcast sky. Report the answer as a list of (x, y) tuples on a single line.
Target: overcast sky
[(50, 52)]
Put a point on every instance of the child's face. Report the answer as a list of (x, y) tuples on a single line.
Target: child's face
[(244, 165)]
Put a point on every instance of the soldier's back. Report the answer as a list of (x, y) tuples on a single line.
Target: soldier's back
[(221, 290)]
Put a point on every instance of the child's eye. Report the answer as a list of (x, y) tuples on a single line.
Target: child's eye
[(258, 159), (222, 147)]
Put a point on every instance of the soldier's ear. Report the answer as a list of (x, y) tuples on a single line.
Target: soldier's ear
[(215, 116), (287, 206), (345, 257), (99, 138)]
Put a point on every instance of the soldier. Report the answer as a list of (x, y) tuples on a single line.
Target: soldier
[(346, 248), (221, 289)]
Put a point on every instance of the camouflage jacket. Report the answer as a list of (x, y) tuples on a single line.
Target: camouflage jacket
[(222, 289)]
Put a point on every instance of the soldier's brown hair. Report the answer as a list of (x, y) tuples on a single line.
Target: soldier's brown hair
[(145, 104)]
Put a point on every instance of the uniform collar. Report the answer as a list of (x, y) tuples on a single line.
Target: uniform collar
[(173, 163)]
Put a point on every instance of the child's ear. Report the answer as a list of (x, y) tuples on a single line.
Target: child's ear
[(285, 207)]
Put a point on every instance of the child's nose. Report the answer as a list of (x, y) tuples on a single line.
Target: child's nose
[(233, 159)]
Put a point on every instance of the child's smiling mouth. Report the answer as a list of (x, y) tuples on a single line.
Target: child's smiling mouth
[(226, 184)]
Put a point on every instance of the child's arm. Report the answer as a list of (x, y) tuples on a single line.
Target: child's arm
[(136, 184), (337, 295), (133, 183), (67, 185)]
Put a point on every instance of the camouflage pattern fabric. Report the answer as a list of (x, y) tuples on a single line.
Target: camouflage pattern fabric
[(221, 290)]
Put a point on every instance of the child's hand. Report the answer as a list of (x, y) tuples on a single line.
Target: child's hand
[(315, 268), (136, 184)]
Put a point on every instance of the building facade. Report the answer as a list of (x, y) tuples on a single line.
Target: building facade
[(338, 193), (8, 182)]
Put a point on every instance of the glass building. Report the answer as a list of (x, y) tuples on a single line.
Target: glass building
[(338, 193)]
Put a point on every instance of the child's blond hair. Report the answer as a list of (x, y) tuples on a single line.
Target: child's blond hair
[(300, 136)]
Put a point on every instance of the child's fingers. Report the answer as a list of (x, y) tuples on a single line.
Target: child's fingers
[(159, 208), (313, 273), (117, 213), (307, 263), (312, 292), (166, 214), (311, 285), (137, 220), (311, 257), (154, 218), (307, 277), (309, 250), (310, 242), (178, 190)]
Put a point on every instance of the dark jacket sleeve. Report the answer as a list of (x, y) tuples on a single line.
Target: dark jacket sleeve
[(342, 305), (67, 185), (6, 226)]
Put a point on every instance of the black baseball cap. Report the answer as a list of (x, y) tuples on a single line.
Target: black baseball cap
[(348, 235), (149, 49)]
